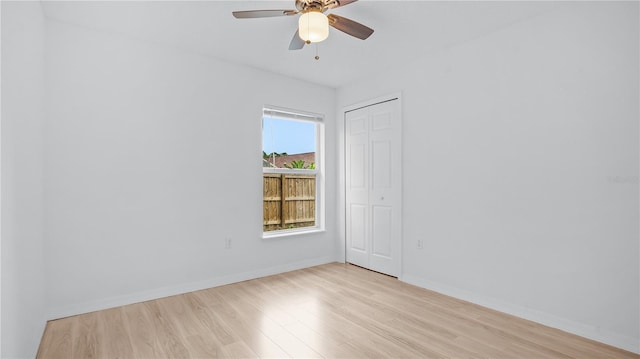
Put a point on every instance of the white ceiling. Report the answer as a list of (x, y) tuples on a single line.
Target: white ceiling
[(403, 30)]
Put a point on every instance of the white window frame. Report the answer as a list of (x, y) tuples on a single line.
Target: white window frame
[(318, 120)]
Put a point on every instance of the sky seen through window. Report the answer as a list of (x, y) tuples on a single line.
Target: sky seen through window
[(288, 136)]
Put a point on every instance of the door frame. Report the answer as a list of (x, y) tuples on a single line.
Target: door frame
[(342, 173)]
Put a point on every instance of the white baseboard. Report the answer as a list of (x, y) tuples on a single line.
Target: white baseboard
[(92, 306), (583, 330)]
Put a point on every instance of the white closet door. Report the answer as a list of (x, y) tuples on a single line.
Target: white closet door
[(373, 187)]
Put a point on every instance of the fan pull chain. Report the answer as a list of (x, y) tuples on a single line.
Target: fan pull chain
[(317, 57)]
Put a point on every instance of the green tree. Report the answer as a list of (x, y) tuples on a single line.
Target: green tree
[(272, 154), (300, 164)]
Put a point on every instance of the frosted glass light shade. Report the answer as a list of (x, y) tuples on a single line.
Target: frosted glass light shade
[(313, 26)]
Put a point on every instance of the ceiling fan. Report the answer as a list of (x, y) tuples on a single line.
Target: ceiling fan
[(313, 24)]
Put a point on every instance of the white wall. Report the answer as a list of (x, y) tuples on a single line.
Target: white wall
[(23, 305), (153, 157), (521, 169)]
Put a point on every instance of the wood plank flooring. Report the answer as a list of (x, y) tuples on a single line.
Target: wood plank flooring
[(329, 311)]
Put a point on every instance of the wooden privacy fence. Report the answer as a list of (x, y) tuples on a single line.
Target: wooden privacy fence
[(289, 201)]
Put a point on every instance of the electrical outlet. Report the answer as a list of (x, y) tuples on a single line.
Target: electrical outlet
[(419, 243), (227, 243)]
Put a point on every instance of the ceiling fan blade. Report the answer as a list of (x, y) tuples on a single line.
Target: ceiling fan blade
[(252, 14), (338, 3), (350, 27), (296, 42)]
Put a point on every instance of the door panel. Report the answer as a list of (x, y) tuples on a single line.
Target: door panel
[(357, 167), (381, 164), (357, 181), (358, 126), (381, 121), (381, 231), (358, 226)]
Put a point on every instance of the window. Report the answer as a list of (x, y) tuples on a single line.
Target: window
[(291, 170)]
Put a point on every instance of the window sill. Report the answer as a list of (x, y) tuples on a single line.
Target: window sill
[(291, 232)]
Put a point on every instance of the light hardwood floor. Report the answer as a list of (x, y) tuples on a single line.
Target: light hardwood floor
[(331, 311)]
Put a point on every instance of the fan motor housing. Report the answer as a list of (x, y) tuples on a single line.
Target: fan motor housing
[(306, 5)]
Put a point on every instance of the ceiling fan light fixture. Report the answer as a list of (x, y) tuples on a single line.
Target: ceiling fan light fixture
[(313, 26)]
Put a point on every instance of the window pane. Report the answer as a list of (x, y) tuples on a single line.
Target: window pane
[(288, 143), (289, 199)]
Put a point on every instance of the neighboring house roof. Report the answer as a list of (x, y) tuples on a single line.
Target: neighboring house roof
[(308, 158)]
